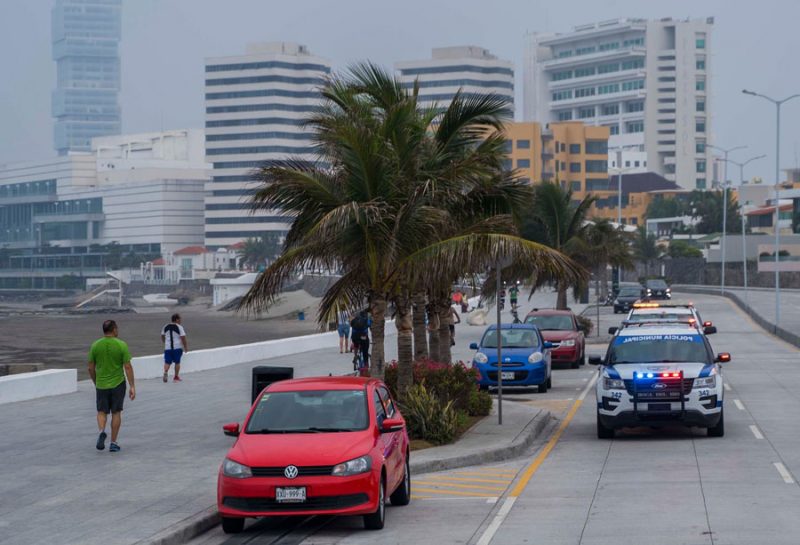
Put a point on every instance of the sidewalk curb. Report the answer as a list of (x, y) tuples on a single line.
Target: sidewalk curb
[(192, 526), (521, 443), (185, 530)]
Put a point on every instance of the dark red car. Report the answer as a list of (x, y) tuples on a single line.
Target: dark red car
[(327, 445), (561, 328)]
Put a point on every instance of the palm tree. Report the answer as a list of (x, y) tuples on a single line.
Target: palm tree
[(646, 248), (603, 245), (258, 251), (556, 221), (378, 205)]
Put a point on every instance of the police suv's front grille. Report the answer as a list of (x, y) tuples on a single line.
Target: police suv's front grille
[(648, 386)]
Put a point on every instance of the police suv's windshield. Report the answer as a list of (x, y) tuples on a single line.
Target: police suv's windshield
[(310, 412), (551, 322), (512, 338), (677, 348)]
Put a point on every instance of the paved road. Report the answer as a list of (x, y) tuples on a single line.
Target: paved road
[(673, 486)]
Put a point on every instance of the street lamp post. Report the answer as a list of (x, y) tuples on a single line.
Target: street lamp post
[(778, 104), (744, 236), (724, 208)]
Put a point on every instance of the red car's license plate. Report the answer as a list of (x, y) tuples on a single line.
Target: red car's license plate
[(295, 494)]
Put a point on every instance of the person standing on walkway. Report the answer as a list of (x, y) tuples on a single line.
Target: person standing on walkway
[(109, 364), (452, 320), (514, 294), (175, 346), (343, 328)]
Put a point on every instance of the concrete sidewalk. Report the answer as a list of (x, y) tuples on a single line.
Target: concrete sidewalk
[(55, 487)]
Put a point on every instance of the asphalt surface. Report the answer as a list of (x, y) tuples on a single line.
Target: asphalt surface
[(670, 486)]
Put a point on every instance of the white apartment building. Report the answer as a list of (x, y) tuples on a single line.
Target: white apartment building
[(142, 192), (648, 80), (473, 70), (256, 104)]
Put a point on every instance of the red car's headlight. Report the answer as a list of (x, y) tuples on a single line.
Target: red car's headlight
[(359, 465), (567, 342)]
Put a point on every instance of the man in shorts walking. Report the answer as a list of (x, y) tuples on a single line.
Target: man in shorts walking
[(175, 346), (343, 328), (109, 364)]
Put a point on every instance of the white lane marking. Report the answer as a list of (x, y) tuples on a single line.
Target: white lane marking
[(738, 404), (491, 501), (577, 388), (501, 515), (756, 432), (588, 387), (727, 386), (584, 379), (787, 477)]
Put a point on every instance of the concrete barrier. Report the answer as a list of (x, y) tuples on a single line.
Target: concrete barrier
[(214, 358), (25, 386)]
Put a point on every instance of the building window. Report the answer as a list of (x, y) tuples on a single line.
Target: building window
[(564, 53), (574, 167), (574, 148), (613, 129), (627, 164), (633, 42), (634, 126), (562, 95), (562, 148), (584, 72), (607, 68), (565, 116), (632, 107), (636, 164), (634, 221), (700, 64), (608, 89), (523, 163), (563, 166), (584, 113), (559, 76), (585, 92), (700, 85), (575, 186), (700, 125), (633, 85), (701, 105), (633, 64), (701, 165), (608, 46), (700, 183), (700, 43), (523, 144), (700, 146), (507, 146), (507, 165), (596, 166), (610, 109), (597, 147), (585, 50)]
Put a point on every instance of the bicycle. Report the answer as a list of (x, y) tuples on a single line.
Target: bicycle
[(359, 364), (515, 314)]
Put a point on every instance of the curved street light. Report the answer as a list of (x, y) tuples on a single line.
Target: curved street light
[(724, 208)]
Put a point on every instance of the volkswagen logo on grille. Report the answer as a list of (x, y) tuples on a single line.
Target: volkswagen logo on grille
[(291, 472), (659, 386)]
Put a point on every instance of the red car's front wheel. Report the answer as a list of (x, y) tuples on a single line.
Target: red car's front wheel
[(376, 520)]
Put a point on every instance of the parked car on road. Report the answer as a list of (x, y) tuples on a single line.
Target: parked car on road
[(626, 297), (316, 446), (525, 357), (561, 328), (657, 288)]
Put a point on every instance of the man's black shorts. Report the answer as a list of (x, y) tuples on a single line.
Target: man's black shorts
[(111, 400)]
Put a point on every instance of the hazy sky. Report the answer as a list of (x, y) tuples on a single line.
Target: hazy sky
[(164, 43)]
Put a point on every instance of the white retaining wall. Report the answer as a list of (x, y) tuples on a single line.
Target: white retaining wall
[(64, 381), (24, 386)]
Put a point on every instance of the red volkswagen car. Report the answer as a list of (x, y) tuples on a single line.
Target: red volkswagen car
[(561, 328), (326, 445)]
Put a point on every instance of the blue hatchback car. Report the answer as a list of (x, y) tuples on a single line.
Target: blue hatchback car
[(525, 354)]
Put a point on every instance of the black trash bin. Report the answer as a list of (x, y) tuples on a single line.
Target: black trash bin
[(264, 375)]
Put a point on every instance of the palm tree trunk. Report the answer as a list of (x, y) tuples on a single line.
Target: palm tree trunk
[(420, 335), (377, 362), (603, 281), (445, 353), (561, 299), (405, 359), (433, 332)]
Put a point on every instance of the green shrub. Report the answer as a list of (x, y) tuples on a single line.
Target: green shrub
[(428, 418), (480, 403), (455, 383), (584, 324)]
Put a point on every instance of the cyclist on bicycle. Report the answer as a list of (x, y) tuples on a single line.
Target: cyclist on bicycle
[(360, 336)]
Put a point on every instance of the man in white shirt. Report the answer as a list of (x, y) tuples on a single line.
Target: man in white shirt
[(175, 345)]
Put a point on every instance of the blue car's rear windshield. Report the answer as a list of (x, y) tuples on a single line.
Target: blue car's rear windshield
[(677, 348), (310, 412), (512, 338)]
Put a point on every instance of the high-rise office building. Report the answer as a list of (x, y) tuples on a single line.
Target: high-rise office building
[(471, 69), (86, 36), (256, 105), (648, 81)]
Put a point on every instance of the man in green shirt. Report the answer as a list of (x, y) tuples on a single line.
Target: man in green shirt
[(109, 363)]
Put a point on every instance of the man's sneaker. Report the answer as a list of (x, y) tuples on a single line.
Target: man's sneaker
[(177, 379), (101, 441), (113, 447), (165, 377)]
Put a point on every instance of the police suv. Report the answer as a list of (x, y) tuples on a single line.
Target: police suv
[(657, 374)]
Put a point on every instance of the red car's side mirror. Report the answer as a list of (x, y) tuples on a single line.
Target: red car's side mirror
[(390, 425), (231, 430)]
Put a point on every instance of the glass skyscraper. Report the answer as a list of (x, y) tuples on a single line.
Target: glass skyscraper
[(86, 36)]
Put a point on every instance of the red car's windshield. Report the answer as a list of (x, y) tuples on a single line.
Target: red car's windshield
[(316, 411)]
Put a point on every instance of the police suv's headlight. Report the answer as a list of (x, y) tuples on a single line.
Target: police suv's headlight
[(613, 384), (353, 467), (706, 382), (235, 470), (480, 357), (568, 342), (536, 357)]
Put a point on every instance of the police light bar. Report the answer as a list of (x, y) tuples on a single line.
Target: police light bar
[(658, 375)]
